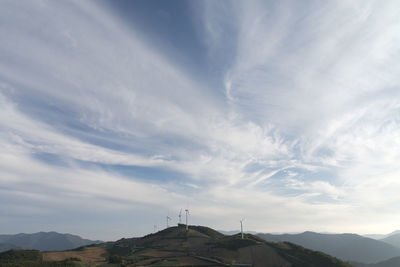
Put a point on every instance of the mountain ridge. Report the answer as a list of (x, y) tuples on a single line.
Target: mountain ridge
[(393, 240), (44, 241), (208, 244), (381, 236), (176, 246), (348, 247), (392, 262)]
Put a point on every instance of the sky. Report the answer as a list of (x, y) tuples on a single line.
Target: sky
[(116, 114)]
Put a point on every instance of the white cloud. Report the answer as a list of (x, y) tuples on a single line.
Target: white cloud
[(310, 88), (325, 76)]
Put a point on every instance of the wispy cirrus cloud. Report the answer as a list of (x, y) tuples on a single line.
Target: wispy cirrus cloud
[(324, 75), (86, 98), (306, 122)]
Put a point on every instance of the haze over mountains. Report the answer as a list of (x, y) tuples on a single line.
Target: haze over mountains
[(349, 247), (392, 239), (43, 241), (382, 236), (175, 246), (234, 232), (393, 262), (358, 250)]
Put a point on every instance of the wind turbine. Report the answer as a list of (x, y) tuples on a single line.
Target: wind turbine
[(180, 216), (155, 228), (241, 227), (187, 215), (168, 218)]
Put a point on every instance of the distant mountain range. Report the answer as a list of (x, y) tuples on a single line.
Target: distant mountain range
[(393, 240), (43, 241), (382, 236), (375, 236), (6, 246), (360, 251), (177, 246), (393, 262), (348, 247)]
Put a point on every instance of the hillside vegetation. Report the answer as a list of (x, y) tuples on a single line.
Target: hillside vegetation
[(174, 246), (31, 258), (203, 246)]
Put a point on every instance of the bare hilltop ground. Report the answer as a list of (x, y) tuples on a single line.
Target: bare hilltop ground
[(199, 246), (89, 255)]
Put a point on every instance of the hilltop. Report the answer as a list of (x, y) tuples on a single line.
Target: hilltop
[(199, 246)]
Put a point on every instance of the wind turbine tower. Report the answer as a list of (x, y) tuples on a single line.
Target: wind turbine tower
[(180, 216), (241, 227), (168, 219), (187, 215)]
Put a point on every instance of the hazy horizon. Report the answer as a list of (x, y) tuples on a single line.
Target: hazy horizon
[(227, 232), (116, 114)]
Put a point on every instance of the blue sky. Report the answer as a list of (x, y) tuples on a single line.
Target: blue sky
[(118, 113)]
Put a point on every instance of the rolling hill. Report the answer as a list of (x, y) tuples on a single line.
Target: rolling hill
[(203, 246), (43, 241), (174, 246), (348, 247)]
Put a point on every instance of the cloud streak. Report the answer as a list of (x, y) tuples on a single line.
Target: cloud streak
[(306, 121)]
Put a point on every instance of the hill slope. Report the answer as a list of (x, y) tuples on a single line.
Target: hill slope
[(32, 258), (174, 246), (349, 247), (393, 240), (43, 241), (202, 246)]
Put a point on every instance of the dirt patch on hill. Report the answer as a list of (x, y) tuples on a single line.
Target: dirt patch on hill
[(87, 255)]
